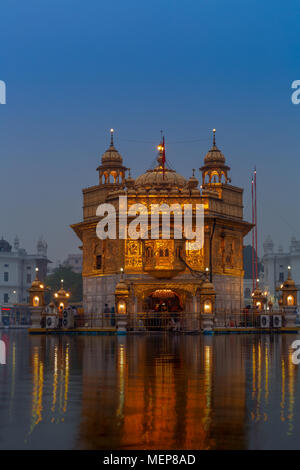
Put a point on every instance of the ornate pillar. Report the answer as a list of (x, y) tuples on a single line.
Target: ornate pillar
[(207, 306), (121, 302), (36, 301)]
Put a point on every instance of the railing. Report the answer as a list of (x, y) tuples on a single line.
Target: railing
[(165, 321), (249, 319), (172, 321)]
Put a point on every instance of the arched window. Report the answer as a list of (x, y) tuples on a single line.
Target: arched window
[(167, 252)]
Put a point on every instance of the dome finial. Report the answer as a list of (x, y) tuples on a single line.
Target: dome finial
[(112, 137), (214, 137)]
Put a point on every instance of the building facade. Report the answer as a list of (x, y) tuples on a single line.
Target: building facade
[(276, 263), (17, 271), (155, 268)]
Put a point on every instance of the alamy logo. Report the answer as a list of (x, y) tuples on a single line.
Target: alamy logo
[(145, 222), (2, 92), (296, 94), (2, 352)]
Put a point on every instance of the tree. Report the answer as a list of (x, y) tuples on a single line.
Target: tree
[(72, 283)]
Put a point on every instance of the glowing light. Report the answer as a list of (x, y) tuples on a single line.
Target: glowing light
[(41, 286), (207, 306), (111, 130), (122, 306)]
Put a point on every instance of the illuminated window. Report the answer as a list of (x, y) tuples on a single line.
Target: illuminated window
[(290, 300), (36, 301)]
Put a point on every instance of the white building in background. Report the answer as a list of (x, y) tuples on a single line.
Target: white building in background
[(276, 264), (74, 261), (17, 271)]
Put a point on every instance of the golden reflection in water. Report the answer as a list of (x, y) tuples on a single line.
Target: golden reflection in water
[(266, 372), (282, 403), (49, 361), (253, 371), (291, 369), (121, 368), (164, 392), (37, 393), (55, 379)]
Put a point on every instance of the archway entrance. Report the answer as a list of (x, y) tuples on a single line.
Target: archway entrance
[(163, 310), (164, 300)]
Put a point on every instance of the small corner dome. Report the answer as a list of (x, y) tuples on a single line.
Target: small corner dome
[(111, 155), (214, 155), (5, 246)]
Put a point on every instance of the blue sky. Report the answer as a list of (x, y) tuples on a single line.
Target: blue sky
[(74, 69)]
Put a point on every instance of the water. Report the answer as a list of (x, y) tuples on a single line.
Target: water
[(149, 392)]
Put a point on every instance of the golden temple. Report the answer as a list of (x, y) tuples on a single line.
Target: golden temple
[(158, 269)]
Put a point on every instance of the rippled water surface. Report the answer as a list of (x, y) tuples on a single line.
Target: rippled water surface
[(149, 392)]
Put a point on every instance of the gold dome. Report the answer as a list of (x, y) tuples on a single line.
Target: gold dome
[(121, 287), (207, 286), (289, 283), (160, 178)]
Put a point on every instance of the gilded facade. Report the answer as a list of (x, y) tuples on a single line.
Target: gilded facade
[(151, 266)]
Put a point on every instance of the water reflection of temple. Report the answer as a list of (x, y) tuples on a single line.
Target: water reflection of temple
[(162, 394), (156, 391)]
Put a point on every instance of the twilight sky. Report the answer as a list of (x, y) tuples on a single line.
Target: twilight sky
[(73, 69)]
